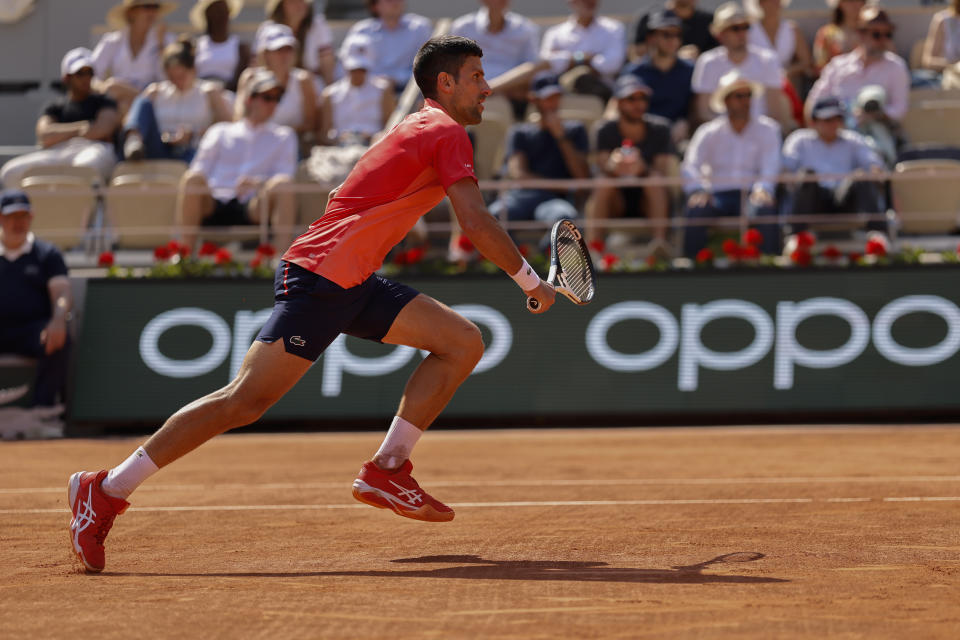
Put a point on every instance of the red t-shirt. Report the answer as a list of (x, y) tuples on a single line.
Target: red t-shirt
[(396, 181)]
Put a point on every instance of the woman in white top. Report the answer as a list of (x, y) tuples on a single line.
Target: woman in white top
[(941, 50), (771, 31), (314, 38), (127, 60), (297, 108), (221, 56), (355, 108), (169, 117)]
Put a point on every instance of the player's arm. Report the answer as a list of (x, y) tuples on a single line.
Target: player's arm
[(492, 241)]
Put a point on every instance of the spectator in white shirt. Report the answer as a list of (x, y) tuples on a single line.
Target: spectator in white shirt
[(313, 34), (356, 107), (510, 45), (770, 30), (396, 37), (128, 59), (276, 52), (167, 120), (238, 165), (588, 49), (829, 150), (870, 64), (730, 27), (733, 155), (220, 55)]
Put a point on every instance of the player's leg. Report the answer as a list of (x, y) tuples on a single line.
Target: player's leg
[(455, 347)]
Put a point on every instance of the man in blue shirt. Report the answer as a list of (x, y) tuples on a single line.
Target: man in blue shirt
[(35, 300), (549, 148), (839, 155), (667, 75)]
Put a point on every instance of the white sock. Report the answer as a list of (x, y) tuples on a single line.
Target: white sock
[(130, 474), (398, 444)]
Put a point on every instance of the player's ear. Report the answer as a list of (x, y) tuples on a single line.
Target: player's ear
[(445, 82)]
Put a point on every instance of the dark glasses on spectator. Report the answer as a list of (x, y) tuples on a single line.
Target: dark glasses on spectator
[(269, 96), (84, 73), (741, 95), (880, 35), (670, 34), (738, 28), (636, 97), (154, 7)]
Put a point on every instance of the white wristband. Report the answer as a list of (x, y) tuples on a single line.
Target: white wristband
[(526, 278)]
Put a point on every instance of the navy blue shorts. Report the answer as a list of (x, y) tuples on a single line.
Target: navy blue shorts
[(309, 311)]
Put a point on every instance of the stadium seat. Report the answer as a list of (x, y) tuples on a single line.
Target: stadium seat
[(86, 174), (926, 94), (174, 168), (926, 206), (62, 205), (310, 204), (933, 121), (489, 145), (498, 107), (587, 109), (140, 218)]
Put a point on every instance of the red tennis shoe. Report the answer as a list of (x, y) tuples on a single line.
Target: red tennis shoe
[(398, 490), (93, 514)]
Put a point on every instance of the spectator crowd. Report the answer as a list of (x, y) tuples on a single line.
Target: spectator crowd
[(729, 100)]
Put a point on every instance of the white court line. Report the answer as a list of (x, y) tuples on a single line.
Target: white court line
[(513, 504), (601, 482)]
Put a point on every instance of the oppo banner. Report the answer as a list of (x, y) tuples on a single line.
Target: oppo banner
[(653, 344)]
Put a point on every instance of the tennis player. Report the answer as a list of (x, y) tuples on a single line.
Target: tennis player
[(326, 285)]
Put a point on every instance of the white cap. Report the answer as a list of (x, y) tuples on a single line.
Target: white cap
[(276, 36), (75, 60), (358, 53)]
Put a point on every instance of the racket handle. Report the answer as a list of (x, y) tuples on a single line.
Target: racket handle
[(533, 304)]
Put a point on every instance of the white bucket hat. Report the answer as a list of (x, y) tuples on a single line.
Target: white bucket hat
[(730, 82)]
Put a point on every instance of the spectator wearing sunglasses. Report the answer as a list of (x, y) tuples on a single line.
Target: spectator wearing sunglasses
[(77, 129), (695, 35), (238, 164), (870, 63), (762, 66)]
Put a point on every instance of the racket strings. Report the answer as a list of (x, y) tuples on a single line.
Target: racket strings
[(575, 265)]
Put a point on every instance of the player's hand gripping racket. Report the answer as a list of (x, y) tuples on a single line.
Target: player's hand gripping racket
[(571, 269)]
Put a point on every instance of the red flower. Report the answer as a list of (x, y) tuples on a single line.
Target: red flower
[(416, 254), (958, 248), (161, 253), (801, 257), (752, 238), (750, 252), (222, 256), (652, 260), (854, 256), (208, 249), (105, 259), (609, 260), (464, 243), (805, 240), (830, 252), (256, 261), (266, 250), (731, 249), (524, 250), (598, 245), (876, 247), (704, 255)]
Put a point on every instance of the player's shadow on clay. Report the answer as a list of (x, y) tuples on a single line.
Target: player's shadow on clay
[(470, 567)]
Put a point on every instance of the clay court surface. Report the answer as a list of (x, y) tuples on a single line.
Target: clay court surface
[(820, 532)]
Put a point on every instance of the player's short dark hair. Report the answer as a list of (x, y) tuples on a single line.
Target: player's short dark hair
[(441, 54)]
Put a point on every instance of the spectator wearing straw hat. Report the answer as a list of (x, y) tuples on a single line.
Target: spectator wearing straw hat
[(77, 129), (356, 107), (314, 49), (733, 155), (220, 55), (730, 26), (127, 59), (396, 36), (276, 52), (829, 150), (35, 299), (239, 164)]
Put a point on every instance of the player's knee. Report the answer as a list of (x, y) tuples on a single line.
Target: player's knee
[(470, 345)]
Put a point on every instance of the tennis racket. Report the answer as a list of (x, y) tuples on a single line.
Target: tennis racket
[(571, 269)]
